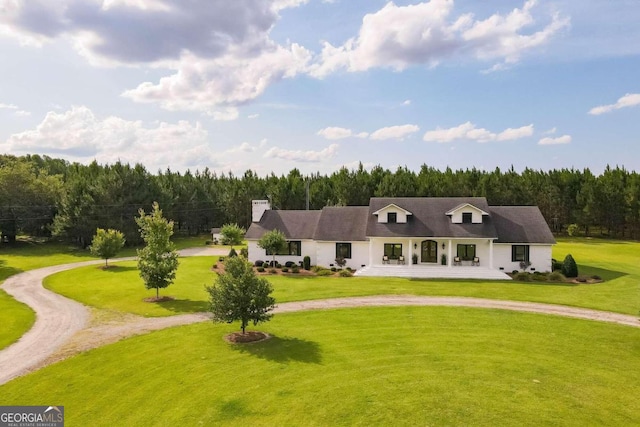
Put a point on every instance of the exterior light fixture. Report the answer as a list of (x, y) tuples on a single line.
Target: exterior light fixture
[(443, 246)]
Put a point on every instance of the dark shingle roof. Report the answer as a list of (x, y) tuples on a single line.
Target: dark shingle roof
[(294, 224), (521, 224), (429, 219), (347, 223)]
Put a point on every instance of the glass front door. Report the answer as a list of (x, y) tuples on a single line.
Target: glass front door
[(429, 251)]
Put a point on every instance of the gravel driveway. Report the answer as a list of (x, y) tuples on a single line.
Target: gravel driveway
[(62, 325)]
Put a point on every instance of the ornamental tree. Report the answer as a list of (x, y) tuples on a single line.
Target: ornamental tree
[(232, 234), (106, 244), (238, 294), (158, 260), (569, 267), (273, 241)]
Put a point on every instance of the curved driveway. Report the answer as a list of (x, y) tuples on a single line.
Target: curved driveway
[(58, 318)]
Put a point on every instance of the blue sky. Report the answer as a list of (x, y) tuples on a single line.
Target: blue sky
[(319, 84)]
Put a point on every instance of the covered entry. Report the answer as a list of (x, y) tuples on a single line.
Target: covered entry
[(429, 251)]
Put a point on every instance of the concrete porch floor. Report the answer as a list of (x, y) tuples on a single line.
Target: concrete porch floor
[(432, 272)]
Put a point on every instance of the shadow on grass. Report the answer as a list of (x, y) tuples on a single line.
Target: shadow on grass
[(184, 305), (115, 268), (587, 270), (283, 350), (7, 271), (232, 409)]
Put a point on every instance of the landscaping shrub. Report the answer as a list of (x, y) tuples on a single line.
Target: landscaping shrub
[(295, 269), (596, 277), (265, 265), (208, 242), (289, 264), (278, 265), (285, 270), (539, 277), (582, 279), (333, 269), (306, 262), (258, 263), (557, 276), (324, 273), (555, 264), (260, 269), (345, 273), (569, 267), (515, 272), (221, 259), (317, 268), (273, 271), (232, 253), (523, 276), (244, 252)]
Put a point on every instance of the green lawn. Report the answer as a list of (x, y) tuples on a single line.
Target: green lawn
[(121, 288), (367, 366), (16, 318)]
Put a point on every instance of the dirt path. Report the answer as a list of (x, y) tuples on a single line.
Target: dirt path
[(63, 327), (57, 318)]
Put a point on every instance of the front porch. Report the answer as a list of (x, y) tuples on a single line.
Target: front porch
[(432, 272)]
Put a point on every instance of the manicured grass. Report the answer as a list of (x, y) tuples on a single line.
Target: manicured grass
[(368, 366), (16, 318), (120, 287)]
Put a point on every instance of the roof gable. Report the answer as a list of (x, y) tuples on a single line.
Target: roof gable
[(392, 207), (464, 206)]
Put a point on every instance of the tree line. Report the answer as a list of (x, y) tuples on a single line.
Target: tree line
[(44, 196)]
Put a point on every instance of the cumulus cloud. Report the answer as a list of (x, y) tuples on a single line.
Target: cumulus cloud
[(429, 32), (564, 139), (394, 132), (629, 100), (80, 135), (302, 156), (245, 147), (406, 102), (219, 51), (335, 133), (469, 131), (8, 106)]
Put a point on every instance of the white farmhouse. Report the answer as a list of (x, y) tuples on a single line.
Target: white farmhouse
[(460, 237)]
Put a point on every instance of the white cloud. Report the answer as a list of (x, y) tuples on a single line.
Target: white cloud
[(406, 102), (335, 133), (302, 156), (428, 33), (80, 135), (629, 100), (245, 147), (8, 106), (22, 113), (355, 165), (394, 132), (218, 86), (564, 139), (551, 131), (469, 131), (253, 116)]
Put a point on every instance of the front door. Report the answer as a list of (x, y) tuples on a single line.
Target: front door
[(429, 251)]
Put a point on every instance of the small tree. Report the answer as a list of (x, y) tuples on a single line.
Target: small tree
[(238, 294), (106, 244), (572, 229), (232, 234), (341, 262), (569, 267), (158, 260), (273, 241)]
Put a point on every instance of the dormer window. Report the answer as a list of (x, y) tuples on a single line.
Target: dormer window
[(467, 217), (392, 217)]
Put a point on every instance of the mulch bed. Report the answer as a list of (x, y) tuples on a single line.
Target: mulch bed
[(247, 337)]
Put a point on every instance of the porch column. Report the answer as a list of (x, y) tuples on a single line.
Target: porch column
[(449, 257), (491, 254), (371, 252), (410, 259)]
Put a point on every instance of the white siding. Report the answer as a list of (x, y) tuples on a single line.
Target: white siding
[(383, 213), (308, 247), (326, 254), (539, 256), (476, 215)]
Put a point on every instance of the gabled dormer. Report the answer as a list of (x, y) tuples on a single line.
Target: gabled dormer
[(391, 214), (466, 213)]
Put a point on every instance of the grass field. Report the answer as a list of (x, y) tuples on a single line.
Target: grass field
[(121, 289), (368, 366), (16, 318)]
